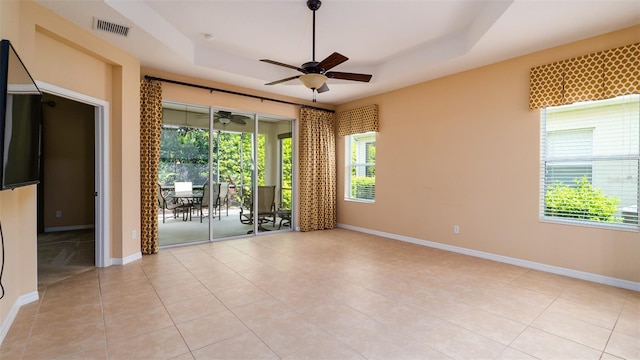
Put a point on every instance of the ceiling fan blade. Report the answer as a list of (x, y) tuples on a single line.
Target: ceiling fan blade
[(348, 76), (283, 64), (332, 60), (283, 80), (323, 88), (239, 119), (221, 114)]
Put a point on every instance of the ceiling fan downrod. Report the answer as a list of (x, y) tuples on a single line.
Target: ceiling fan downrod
[(313, 5)]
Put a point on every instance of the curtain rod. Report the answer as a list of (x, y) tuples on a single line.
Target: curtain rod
[(211, 89)]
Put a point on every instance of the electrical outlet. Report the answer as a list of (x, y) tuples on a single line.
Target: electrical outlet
[(134, 234), (456, 229), (58, 213)]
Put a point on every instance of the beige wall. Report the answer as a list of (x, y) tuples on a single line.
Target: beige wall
[(464, 150), (196, 96), (52, 48), (105, 73), (17, 211), (59, 53)]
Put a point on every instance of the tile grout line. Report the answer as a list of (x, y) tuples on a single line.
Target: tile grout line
[(104, 319), (226, 307), (280, 302), (613, 328), (175, 326)]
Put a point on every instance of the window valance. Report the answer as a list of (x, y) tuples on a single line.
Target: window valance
[(357, 121), (602, 75)]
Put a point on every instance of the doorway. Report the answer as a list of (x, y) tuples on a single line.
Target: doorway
[(66, 210), (72, 216)]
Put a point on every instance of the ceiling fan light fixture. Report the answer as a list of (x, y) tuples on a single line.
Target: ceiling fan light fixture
[(224, 120), (313, 81)]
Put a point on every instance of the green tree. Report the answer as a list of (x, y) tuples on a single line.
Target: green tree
[(371, 158), (287, 173), (363, 187), (184, 156), (581, 201)]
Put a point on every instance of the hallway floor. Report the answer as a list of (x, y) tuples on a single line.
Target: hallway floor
[(334, 294), (64, 254)]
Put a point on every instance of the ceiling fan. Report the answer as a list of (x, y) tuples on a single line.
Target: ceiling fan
[(315, 74), (225, 117)]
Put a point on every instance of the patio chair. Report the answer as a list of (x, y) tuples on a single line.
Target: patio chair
[(266, 207), (168, 203), (223, 198), (204, 203)]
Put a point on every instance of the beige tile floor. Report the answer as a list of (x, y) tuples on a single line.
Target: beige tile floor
[(324, 295)]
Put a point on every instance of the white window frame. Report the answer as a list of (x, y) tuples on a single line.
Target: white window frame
[(364, 139), (581, 157)]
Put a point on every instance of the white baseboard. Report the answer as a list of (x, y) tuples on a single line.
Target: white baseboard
[(126, 260), (626, 284), (68, 228), (8, 321)]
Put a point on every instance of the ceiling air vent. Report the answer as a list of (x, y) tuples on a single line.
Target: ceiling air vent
[(107, 26)]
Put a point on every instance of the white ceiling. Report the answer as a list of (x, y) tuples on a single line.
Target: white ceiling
[(399, 42)]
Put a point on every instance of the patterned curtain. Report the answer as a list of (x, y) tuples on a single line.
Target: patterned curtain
[(317, 170), (150, 132), (598, 76)]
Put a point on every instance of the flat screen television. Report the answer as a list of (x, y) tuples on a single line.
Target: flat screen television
[(20, 122)]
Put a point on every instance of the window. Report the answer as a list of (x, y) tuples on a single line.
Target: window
[(590, 161), (360, 160)]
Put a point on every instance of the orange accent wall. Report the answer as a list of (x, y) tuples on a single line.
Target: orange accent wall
[(464, 150)]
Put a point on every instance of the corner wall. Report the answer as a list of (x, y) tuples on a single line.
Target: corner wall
[(464, 150), (60, 53)]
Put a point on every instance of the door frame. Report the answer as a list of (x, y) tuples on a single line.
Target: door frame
[(102, 185)]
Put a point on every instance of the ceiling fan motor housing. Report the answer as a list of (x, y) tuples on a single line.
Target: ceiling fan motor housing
[(312, 67)]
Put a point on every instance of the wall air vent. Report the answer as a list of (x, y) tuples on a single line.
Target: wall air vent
[(110, 27)]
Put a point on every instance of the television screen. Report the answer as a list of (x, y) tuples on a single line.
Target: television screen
[(20, 122)]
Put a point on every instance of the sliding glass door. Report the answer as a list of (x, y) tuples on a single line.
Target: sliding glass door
[(234, 164), (275, 174), (239, 169), (183, 174)]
